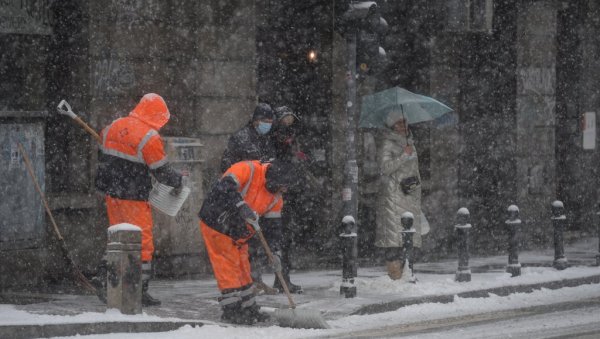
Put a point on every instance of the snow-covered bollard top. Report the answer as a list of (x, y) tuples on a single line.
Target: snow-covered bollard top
[(513, 215), (407, 219), (124, 227), (462, 218), (348, 223), (124, 233), (558, 210)]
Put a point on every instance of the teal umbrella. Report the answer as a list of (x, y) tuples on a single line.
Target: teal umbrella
[(383, 109)]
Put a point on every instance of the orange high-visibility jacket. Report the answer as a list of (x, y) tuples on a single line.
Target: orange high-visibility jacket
[(132, 148), (244, 182)]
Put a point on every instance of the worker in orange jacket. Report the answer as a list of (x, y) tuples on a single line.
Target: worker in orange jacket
[(229, 218), (131, 152)]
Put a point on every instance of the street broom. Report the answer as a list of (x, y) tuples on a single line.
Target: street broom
[(74, 270), (291, 317)]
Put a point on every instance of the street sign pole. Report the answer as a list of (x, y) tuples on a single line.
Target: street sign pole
[(350, 187)]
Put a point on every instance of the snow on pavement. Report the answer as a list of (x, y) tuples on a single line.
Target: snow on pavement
[(371, 282), (405, 315)]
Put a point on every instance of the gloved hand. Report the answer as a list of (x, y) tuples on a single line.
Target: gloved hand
[(176, 190), (249, 216), (276, 264)]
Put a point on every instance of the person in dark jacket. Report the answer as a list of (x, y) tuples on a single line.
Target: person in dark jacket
[(286, 149), (229, 217), (131, 152), (251, 142)]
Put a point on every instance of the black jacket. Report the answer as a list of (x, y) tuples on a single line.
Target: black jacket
[(247, 144), (128, 180), (220, 212)]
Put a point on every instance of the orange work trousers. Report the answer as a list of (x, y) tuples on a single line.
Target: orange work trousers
[(133, 212), (229, 259)]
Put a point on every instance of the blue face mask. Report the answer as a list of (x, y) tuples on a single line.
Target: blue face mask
[(263, 127)]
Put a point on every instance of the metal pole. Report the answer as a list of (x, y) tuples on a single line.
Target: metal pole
[(407, 219), (559, 221), (462, 227), (513, 223), (350, 189), (598, 233)]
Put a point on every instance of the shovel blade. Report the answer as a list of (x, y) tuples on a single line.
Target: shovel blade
[(300, 318)]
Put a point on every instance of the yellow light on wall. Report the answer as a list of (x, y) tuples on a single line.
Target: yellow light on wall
[(312, 56)]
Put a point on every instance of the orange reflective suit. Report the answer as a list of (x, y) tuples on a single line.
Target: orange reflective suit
[(226, 234), (131, 151)]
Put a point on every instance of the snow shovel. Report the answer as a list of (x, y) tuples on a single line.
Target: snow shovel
[(64, 108), (292, 317), (79, 277)]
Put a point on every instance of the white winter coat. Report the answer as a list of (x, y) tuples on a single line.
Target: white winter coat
[(396, 165)]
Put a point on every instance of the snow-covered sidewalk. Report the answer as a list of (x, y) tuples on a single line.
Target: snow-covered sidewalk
[(195, 300)]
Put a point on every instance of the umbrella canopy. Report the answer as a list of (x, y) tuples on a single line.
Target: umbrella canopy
[(383, 109)]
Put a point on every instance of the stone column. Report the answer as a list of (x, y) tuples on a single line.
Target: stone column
[(535, 110), (124, 288)]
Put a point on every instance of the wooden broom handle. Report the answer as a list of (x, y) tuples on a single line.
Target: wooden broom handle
[(88, 128), (37, 187), (264, 243)]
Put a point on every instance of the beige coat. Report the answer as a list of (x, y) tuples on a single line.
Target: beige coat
[(396, 165)]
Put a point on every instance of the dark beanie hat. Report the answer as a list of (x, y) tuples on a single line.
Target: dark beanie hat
[(262, 111), (281, 174)]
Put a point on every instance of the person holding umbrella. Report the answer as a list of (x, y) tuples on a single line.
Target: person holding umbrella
[(392, 110), (400, 191)]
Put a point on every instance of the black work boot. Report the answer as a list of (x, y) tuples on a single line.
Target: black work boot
[(99, 280), (297, 289), (234, 314), (253, 314), (147, 299)]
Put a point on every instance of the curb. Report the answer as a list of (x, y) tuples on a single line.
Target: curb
[(501, 291), (73, 329)]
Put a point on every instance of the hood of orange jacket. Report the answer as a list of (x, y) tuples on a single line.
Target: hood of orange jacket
[(152, 110)]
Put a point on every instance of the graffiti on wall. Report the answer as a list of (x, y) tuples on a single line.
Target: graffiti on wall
[(25, 16), (112, 75)]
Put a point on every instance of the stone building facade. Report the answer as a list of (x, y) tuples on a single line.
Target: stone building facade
[(519, 74)]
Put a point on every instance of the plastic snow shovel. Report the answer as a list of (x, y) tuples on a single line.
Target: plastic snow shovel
[(79, 277), (64, 108), (292, 317)]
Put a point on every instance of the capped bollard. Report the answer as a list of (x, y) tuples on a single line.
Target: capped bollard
[(124, 285), (513, 224), (462, 227), (559, 221), (407, 219), (349, 257)]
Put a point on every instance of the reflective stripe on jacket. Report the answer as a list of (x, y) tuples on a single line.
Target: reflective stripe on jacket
[(131, 148), (244, 182)]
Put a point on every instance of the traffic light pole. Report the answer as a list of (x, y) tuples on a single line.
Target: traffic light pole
[(350, 188)]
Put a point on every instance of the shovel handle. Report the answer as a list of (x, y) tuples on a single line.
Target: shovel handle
[(65, 109), (265, 245)]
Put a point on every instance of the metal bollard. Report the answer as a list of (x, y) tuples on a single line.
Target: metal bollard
[(124, 286), (407, 219), (559, 221), (513, 224), (598, 232), (349, 257), (462, 227)]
